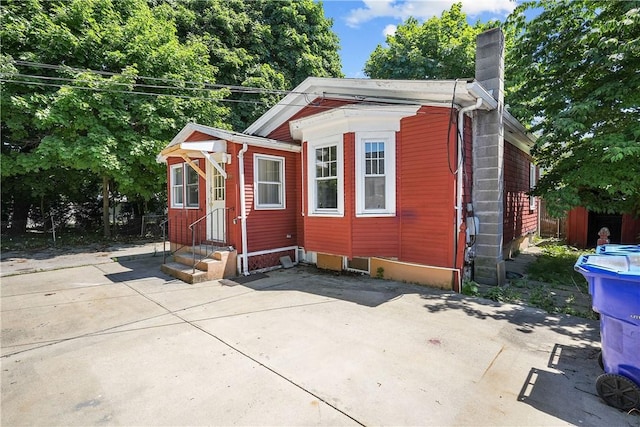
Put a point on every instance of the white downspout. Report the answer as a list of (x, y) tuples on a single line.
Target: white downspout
[(460, 165), (243, 211), (459, 173)]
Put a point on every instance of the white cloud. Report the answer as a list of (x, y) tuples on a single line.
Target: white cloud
[(389, 30), (421, 9)]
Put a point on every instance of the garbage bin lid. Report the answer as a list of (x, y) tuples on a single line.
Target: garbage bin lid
[(612, 249), (628, 264)]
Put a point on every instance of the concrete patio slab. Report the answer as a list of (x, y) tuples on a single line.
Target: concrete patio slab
[(122, 344)]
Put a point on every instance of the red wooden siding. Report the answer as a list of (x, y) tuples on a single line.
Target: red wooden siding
[(199, 136), (319, 105), (519, 219), (426, 188), (181, 218), (232, 200), (377, 236), (352, 236), (331, 235), (269, 228)]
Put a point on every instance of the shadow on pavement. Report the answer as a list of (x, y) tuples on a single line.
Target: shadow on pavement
[(138, 269), (574, 368), (355, 288), (526, 318)]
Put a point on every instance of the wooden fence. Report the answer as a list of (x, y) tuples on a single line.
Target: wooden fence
[(551, 227)]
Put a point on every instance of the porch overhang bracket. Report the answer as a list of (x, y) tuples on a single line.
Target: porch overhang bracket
[(194, 166), (214, 163)]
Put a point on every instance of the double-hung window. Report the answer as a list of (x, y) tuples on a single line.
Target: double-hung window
[(375, 174), (184, 186), (532, 185), (268, 172), (326, 194)]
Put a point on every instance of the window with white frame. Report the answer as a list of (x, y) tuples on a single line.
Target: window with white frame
[(184, 186), (532, 185), (375, 174), (326, 193), (268, 172)]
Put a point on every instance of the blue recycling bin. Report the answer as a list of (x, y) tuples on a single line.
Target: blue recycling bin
[(614, 285)]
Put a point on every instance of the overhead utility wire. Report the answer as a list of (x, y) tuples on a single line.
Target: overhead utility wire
[(249, 89), (208, 86), (59, 85), (353, 106), (241, 89), (67, 79)]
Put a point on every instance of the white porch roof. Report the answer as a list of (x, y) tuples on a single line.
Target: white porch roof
[(218, 142)]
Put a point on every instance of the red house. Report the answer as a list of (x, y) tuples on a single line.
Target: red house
[(421, 181)]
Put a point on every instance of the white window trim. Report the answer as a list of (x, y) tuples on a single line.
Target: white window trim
[(313, 210), (389, 139), (182, 205), (256, 190), (532, 185)]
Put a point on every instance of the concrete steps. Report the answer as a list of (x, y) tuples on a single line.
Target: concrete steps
[(220, 264)]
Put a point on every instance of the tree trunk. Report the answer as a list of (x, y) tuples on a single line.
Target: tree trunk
[(105, 206)]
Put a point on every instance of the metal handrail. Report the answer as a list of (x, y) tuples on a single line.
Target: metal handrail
[(193, 235), (164, 240)]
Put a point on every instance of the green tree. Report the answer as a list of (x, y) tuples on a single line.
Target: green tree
[(77, 97), (573, 74), (265, 44), (439, 48)]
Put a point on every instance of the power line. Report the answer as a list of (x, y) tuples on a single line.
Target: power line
[(132, 92), (208, 87), (236, 88), (110, 82)]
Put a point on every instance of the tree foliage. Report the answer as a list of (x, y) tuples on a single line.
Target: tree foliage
[(93, 89), (573, 73), (266, 44), (78, 99), (439, 48)]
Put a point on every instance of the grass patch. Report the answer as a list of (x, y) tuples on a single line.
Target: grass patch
[(555, 266), (505, 294)]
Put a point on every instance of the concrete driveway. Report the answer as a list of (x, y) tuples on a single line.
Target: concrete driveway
[(120, 343)]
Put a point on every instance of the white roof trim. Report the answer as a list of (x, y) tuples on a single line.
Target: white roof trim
[(222, 135), (351, 118), (407, 92), (516, 134), (217, 146)]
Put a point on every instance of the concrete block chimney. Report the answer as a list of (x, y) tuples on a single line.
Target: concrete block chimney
[(488, 160)]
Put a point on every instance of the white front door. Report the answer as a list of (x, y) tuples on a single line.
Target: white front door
[(216, 213)]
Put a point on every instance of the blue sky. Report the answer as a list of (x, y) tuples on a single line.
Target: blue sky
[(361, 25)]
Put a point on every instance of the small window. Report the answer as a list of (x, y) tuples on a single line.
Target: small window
[(325, 163), (375, 174), (269, 182), (532, 185), (177, 186), (185, 185), (374, 177), (327, 177)]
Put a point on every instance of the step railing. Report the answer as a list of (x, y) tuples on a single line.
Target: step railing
[(217, 220), (181, 230), (163, 226)]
